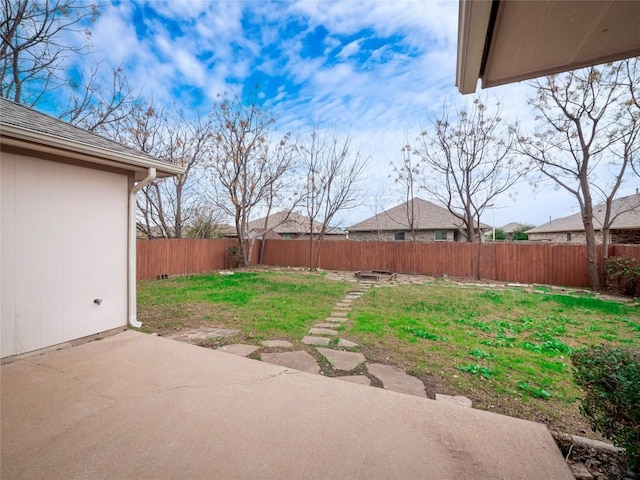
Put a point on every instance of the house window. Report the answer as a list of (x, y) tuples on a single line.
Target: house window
[(568, 236), (399, 236), (441, 235)]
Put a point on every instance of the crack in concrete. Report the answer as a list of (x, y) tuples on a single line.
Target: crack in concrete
[(77, 380), (286, 371)]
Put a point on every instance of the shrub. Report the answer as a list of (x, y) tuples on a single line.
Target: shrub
[(610, 379), (622, 275), (234, 257)]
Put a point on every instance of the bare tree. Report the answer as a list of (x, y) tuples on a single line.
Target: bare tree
[(168, 206), (333, 170), (468, 163), (585, 138), (205, 223), (102, 107), (37, 58), (407, 176), (245, 162), (33, 52), (631, 75)]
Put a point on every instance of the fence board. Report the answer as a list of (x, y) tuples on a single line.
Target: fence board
[(554, 264)]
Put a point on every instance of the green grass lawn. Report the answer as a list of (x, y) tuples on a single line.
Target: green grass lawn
[(506, 349), (260, 304)]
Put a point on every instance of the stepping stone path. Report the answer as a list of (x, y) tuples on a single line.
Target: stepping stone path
[(239, 349), (323, 331), (277, 344), (299, 360), (342, 360), (323, 334), (316, 340), (393, 378), (201, 335)]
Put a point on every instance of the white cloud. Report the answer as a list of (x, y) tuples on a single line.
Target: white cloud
[(380, 99)]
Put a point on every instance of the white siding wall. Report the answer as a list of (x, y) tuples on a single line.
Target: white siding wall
[(63, 244)]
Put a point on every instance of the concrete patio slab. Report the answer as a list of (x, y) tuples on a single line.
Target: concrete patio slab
[(299, 360), (359, 379), (395, 379), (342, 360), (138, 406), (239, 349), (309, 340), (277, 344)]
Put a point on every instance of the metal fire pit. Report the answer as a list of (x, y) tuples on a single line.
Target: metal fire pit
[(376, 275)]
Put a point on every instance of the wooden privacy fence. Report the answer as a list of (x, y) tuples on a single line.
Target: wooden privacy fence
[(180, 256), (553, 264)]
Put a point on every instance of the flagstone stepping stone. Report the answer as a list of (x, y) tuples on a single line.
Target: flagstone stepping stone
[(239, 349), (337, 319), (342, 360), (359, 379), (277, 344), (316, 340), (458, 400), (199, 336), (342, 343), (298, 360), (326, 325), (343, 305), (339, 314), (394, 379), (323, 331)]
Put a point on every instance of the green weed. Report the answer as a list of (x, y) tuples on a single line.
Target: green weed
[(422, 333), (535, 392), (485, 372)]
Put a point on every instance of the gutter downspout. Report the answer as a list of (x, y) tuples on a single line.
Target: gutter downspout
[(131, 280)]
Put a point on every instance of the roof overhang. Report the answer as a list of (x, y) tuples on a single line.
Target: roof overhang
[(34, 141), (505, 41)]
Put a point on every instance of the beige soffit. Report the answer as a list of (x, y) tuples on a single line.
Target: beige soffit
[(507, 41)]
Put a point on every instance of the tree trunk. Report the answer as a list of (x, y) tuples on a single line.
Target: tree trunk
[(592, 247), (261, 254), (479, 250)]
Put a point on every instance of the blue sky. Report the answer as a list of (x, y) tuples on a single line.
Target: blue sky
[(373, 69)]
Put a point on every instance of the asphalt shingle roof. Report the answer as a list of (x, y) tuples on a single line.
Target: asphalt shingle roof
[(428, 216), (13, 114), (295, 224), (626, 211)]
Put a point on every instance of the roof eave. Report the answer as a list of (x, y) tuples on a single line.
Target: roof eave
[(36, 141), (474, 18)]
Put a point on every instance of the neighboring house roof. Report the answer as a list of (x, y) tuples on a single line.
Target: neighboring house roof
[(624, 210), (262, 233), (512, 227), (290, 223), (26, 129), (427, 216)]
